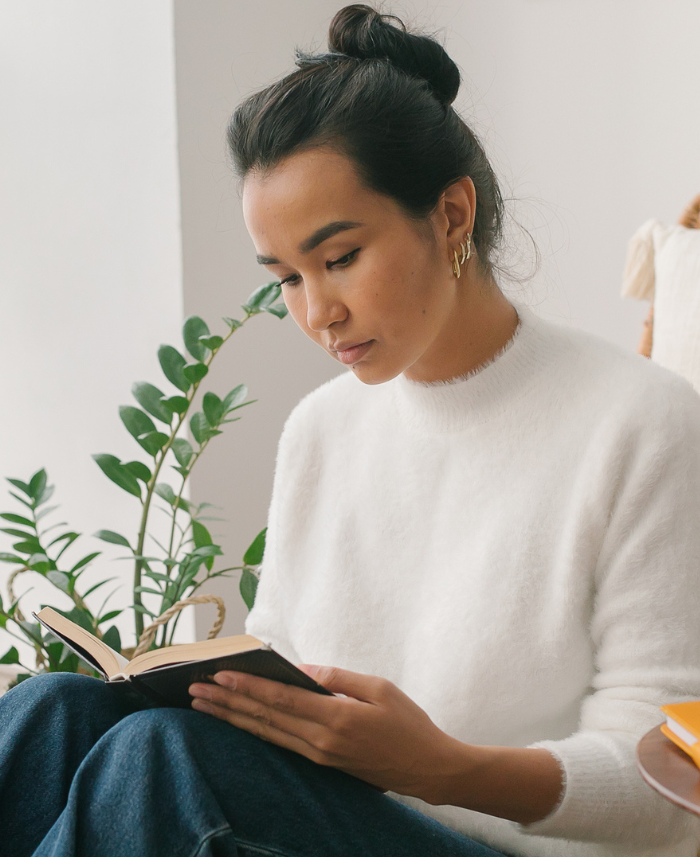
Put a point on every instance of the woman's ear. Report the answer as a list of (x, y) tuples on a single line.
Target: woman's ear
[(459, 205)]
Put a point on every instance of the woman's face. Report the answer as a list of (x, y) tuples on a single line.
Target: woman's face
[(370, 286)]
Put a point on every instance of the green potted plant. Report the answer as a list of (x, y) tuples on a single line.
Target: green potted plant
[(168, 572)]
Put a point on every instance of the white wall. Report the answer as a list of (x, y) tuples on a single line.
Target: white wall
[(90, 266)]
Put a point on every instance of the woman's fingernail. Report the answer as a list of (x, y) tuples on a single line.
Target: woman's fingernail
[(226, 679), (201, 705), (200, 690)]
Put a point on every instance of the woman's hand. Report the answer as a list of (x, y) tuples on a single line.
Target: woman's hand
[(374, 731)]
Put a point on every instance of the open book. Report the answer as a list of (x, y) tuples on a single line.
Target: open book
[(164, 675)]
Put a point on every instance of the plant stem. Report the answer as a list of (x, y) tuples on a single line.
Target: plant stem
[(150, 488)]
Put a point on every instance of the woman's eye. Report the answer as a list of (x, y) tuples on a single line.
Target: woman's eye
[(344, 260), (289, 281)]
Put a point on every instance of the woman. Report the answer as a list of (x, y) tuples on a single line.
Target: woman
[(482, 536)]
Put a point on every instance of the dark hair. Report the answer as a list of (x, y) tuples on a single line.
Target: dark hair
[(382, 96)]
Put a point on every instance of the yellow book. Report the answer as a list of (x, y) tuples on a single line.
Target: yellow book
[(682, 726)]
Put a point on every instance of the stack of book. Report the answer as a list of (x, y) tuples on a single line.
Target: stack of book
[(682, 726)]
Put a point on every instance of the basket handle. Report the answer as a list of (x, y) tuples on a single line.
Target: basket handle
[(146, 638)]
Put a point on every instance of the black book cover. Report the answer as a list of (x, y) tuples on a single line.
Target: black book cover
[(169, 685)]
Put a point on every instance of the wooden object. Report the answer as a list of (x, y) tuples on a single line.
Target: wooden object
[(691, 220), (668, 770)]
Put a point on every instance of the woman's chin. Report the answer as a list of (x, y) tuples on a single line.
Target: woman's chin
[(372, 374)]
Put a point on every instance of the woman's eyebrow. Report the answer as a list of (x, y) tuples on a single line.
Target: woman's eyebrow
[(318, 237)]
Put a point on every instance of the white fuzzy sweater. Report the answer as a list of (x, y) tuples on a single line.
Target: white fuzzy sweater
[(519, 552)]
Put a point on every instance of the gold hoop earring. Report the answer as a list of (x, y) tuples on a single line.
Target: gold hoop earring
[(455, 265), (466, 252)]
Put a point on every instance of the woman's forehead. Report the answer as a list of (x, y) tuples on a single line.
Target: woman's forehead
[(304, 193)]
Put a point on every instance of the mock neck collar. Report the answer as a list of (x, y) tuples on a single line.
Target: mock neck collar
[(471, 399)]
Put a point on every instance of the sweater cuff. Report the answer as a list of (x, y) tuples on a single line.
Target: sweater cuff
[(603, 792)]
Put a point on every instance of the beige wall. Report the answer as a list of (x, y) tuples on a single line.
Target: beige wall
[(225, 50)]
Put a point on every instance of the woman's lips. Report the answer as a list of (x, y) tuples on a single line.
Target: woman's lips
[(352, 355)]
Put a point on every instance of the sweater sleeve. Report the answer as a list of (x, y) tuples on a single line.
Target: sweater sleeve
[(645, 629), (294, 488), (267, 619)]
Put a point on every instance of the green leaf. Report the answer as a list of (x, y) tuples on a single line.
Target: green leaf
[(69, 537), (177, 404), (194, 372), (40, 562), (201, 535), (233, 323), (280, 310), (139, 470), (212, 342), (156, 575), (137, 422), (23, 487), (31, 630), (149, 590), (182, 450), (194, 328), (28, 503), (47, 511), (60, 580), (153, 441), (172, 363), (199, 427), (20, 534), (166, 492), (37, 484), (10, 557), (213, 409), (111, 615), (17, 519), (207, 551), (139, 608), (113, 538), (248, 587), (112, 638), (85, 561), (46, 495), (112, 467), (11, 656), (263, 296), (151, 399), (234, 398), (254, 554), (97, 586), (29, 546)]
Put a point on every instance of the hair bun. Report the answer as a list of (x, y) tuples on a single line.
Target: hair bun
[(361, 32)]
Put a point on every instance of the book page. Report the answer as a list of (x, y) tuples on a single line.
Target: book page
[(105, 659), (192, 652)]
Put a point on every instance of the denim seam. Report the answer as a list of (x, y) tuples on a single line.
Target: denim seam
[(210, 836), (261, 849)]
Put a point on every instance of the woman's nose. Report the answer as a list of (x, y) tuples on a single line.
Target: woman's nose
[(323, 308)]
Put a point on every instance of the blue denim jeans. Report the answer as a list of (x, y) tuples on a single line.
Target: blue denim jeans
[(85, 770)]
